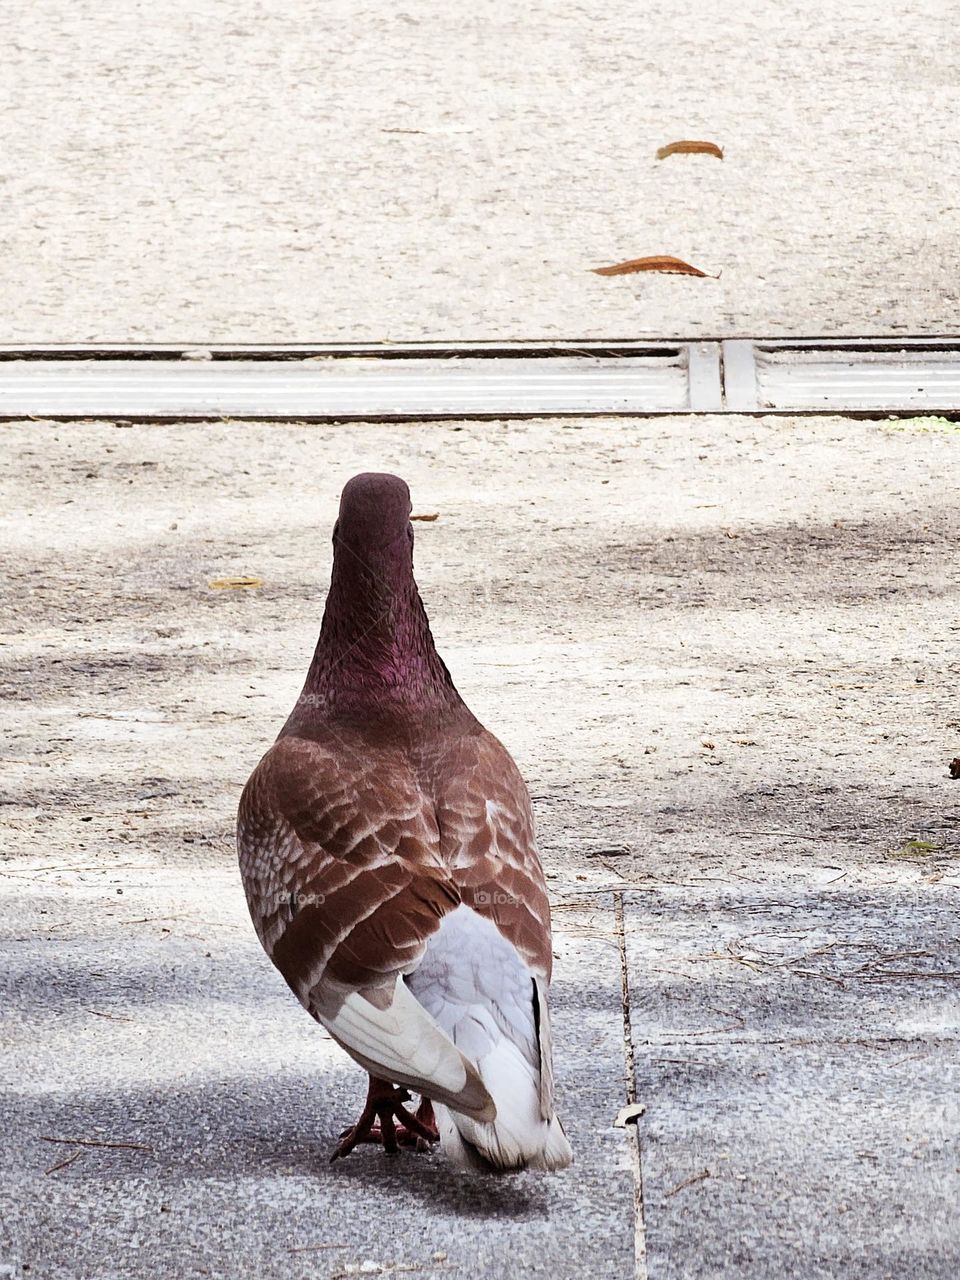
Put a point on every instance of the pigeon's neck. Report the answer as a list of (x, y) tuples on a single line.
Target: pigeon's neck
[(375, 652)]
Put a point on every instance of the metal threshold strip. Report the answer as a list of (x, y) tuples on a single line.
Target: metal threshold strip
[(383, 382)]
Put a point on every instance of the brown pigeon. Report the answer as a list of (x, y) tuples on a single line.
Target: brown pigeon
[(387, 850)]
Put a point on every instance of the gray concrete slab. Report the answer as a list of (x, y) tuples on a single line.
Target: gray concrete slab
[(798, 1057), (222, 172), (827, 1161), (178, 1036)]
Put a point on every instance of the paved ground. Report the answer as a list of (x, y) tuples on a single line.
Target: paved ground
[(724, 654), (226, 171)]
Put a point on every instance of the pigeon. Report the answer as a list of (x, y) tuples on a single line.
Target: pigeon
[(387, 850)]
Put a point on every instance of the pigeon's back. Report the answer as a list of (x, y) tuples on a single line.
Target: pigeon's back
[(387, 849)]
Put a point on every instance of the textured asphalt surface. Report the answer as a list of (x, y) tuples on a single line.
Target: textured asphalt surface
[(221, 171), (807, 1089), (201, 1056), (723, 653)]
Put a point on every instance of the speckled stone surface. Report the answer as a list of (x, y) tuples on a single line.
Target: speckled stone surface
[(798, 1055), (227, 171), (182, 1039)]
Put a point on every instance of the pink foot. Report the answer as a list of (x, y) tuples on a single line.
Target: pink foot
[(377, 1123)]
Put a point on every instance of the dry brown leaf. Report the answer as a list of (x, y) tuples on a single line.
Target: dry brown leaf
[(234, 584), (687, 147), (662, 262), (428, 516)]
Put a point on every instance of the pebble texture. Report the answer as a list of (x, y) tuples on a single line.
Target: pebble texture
[(227, 171)]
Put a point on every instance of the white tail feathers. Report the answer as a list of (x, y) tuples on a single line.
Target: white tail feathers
[(482, 993), (519, 1137), (403, 1043)]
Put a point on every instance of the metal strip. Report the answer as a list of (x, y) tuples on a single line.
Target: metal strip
[(739, 376), (705, 390), (844, 378), (537, 349), (393, 382), (345, 389)]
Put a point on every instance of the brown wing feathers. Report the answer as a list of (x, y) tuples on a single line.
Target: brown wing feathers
[(382, 807), (352, 875), (358, 898), (487, 839)]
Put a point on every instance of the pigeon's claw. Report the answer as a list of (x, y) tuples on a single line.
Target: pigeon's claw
[(421, 1129), (377, 1123)]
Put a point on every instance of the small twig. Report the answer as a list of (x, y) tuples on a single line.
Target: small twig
[(762, 906), (885, 957), (580, 893), (114, 1017), (96, 1142), (63, 1163), (792, 835), (709, 1031), (686, 1062), (112, 866), (688, 1182), (819, 973), (909, 973), (310, 1248), (208, 924), (391, 1269), (614, 872)]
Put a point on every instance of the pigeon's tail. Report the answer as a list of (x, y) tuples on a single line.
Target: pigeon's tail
[(519, 1137), (400, 1042), (484, 996)]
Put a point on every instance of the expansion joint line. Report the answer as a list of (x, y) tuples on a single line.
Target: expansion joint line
[(630, 1088)]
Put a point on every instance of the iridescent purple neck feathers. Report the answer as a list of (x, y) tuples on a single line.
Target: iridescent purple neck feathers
[(375, 651)]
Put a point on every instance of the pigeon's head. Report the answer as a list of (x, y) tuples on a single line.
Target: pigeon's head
[(374, 512)]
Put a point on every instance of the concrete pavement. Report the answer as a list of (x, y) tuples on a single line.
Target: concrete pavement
[(723, 653), (226, 172)]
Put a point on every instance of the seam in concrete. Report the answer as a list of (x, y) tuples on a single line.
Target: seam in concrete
[(683, 1040), (630, 1084)]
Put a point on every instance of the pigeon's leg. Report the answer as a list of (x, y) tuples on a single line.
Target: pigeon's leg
[(377, 1123), (415, 1139), (412, 1130)]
